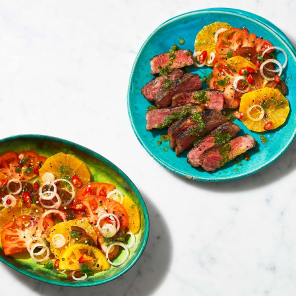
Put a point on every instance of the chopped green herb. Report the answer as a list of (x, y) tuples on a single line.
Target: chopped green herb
[(226, 43), (64, 169), (28, 170), (18, 169), (159, 143), (206, 79), (120, 237), (224, 81), (201, 96), (272, 56), (222, 138), (49, 265), (188, 53), (263, 139), (236, 169), (181, 41), (85, 268), (165, 138), (24, 160), (201, 42), (223, 151), (165, 149), (75, 234), (172, 52), (259, 57), (229, 53), (228, 114), (167, 84), (163, 70), (152, 107)]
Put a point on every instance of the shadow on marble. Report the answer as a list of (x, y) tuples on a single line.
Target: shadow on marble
[(142, 279), (274, 172)]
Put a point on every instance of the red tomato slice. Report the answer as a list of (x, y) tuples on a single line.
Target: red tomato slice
[(48, 223), (95, 188), (14, 234), (8, 163)]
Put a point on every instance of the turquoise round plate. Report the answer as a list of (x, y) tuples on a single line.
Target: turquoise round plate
[(102, 170), (187, 26)]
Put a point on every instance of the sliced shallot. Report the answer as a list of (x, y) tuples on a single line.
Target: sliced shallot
[(32, 254), (11, 198), (60, 213), (212, 57), (116, 192), (126, 253), (113, 218), (72, 187), (14, 181), (261, 110), (280, 69), (79, 279), (132, 243), (236, 80), (218, 33), (49, 191), (56, 205), (286, 57)]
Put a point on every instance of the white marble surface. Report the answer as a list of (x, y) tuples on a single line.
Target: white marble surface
[(64, 70)]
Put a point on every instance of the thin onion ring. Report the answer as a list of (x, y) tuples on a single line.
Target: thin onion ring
[(133, 237), (40, 239), (195, 62), (252, 118), (126, 253), (14, 181), (114, 192), (44, 184), (79, 279), (108, 215), (72, 187), (7, 197), (60, 213), (236, 79), (278, 48), (212, 57), (56, 205), (218, 32), (33, 255), (270, 61)]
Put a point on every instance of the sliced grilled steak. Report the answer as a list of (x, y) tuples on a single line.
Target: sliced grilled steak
[(182, 58), (216, 157), (211, 119), (219, 136), (161, 118), (150, 90), (188, 82), (213, 99)]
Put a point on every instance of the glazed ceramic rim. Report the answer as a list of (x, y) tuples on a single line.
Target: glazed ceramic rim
[(126, 178), (244, 14)]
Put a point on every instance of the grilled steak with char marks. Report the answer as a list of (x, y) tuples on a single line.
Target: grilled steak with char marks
[(150, 90), (182, 58), (211, 119), (213, 99), (216, 157), (214, 139), (188, 82), (161, 118)]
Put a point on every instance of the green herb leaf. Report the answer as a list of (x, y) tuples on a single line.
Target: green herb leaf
[(229, 53), (224, 81), (152, 107), (263, 139), (165, 138), (222, 138)]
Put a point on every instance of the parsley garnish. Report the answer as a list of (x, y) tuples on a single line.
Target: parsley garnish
[(224, 81)]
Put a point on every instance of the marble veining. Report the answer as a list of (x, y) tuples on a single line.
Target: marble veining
[(64, 71)]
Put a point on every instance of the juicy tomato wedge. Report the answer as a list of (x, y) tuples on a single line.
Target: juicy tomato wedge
[(8, 163), (76, 181), (48, 223), (3, 182), (95, 189), (268, 125), (15, 233), (27, 199)]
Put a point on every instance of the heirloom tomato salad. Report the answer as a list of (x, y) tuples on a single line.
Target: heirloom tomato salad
[(51, 209)]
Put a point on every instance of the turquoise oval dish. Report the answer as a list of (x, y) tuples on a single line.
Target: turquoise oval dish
[(187, 26), (102, 170)]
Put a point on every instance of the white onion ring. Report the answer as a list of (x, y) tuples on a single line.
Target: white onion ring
[(60, 213), (218, 33), (56, 205), (14, 181), (7, 197), (72, 187), (212, 57), (114, 192), (126, 253), (33, 255), (236, 80), (280, 69), (58, 243), (133, 237), (252, 118), (197, 53), (40, 239), (41, 188), (108, 230), (286, 57), (79, 279), (108, 216)]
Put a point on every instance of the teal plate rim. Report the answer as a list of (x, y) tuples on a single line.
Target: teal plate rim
[(253, 17), (128, 180)]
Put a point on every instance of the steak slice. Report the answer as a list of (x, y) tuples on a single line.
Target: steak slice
[(188, 82), (213, 99), (220, 135), (182, 59), (161, 118), (216, 157), (150, 90), (211, 119)]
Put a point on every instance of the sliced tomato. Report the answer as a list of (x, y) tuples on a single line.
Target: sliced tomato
[(104, 247), (95, 188), (48, 223), (16, 233), (8, 163)]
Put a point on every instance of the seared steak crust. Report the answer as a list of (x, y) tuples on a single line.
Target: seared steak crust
[(215, 98), (194, 155), (185, 140), (150, 90), (158, 118), (182, 58), (216, 157), (188, 82)]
